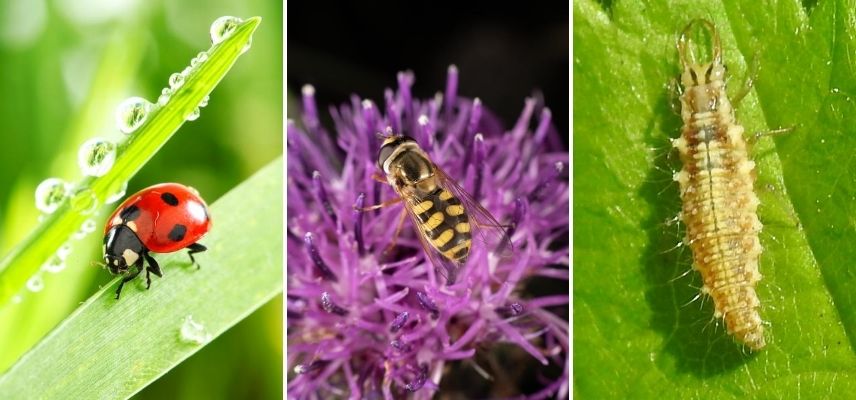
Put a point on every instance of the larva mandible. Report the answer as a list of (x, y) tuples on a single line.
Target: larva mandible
[(719, 206)]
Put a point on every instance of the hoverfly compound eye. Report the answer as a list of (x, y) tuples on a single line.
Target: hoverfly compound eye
[(389, 146), (384, 153)]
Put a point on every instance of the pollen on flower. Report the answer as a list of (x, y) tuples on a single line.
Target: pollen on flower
[(373, 320)]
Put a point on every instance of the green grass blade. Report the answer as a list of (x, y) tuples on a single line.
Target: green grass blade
[(637, 334), (113, 348), (25, 259)]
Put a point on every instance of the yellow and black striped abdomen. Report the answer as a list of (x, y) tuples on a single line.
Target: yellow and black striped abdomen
[(445, 224)]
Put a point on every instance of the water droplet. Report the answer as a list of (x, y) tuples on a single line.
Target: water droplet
[(50, 194), (35, 283), (166, 94), (117, 194), (132, 113), (17, 299), (204, 101), (222, 28), (248, 45), (63, 251), (54, 264), (96, 156), (86, 228), (198, 60), (84, 201), (193, 332), (194, 115), (176, 80)]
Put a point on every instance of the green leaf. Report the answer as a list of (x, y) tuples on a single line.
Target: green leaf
[(112, 348), (635, 335), (25, 259)]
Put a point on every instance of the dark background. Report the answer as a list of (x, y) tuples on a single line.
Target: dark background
[(504, 51)]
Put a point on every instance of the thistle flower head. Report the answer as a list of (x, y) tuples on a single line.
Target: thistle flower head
[(367, 321)]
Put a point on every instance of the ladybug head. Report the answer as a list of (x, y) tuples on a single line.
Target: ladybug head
[(122, 249)]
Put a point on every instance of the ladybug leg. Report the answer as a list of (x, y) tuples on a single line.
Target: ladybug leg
[(126, 279), (195, 248), (153, 268)]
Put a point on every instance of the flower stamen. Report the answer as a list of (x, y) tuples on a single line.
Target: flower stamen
[(322, 268), (328, 305)]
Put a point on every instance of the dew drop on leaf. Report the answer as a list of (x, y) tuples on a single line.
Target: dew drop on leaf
[(17, 299), (96, 156), (176, 80), (86, 228), (198, 60), (54, 264), (223, 27), (194, 115), (193, 332), (35, 283), (84, 201), (63, 251), (131, 113), (118, 193), (204, 101), (50, 194), (248, 45)]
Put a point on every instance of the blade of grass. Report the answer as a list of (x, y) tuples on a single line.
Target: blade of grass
[(118, 65), (113, 348), (24, 260)]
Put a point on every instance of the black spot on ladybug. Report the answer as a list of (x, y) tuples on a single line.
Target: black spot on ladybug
[(169, 198), (131, 213), (177, 232)]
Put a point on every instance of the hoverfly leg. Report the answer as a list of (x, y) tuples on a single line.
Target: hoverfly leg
[(401, 218), (381, 205), (379, 178)]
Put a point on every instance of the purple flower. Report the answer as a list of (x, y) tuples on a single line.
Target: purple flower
[(367, 320)]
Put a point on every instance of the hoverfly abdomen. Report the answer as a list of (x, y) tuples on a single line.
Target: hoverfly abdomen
[(446, 224)]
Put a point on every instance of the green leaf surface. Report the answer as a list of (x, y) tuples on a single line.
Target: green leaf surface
[(637, 331), (25, 259), (112, 348)]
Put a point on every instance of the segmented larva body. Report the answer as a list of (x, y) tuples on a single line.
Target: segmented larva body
[(719, 206)]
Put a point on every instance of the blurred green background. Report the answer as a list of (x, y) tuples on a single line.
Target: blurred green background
[(64, 66)]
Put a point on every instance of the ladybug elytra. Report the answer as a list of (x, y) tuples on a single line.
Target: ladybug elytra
[(163, 218)]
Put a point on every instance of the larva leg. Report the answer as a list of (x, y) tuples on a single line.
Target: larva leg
[(749, 82), (675, 93), (772, 132)]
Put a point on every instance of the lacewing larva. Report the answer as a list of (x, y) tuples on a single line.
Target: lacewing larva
[(719, 205)]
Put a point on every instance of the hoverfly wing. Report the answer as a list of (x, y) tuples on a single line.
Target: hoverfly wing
[(483, 225), (447, 268)]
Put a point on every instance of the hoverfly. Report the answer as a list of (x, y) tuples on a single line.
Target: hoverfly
[(444, 215)]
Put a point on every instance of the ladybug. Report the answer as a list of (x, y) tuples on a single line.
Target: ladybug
[(159, 219)]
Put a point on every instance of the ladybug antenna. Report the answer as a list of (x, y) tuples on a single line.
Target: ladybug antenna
[(98, 264)]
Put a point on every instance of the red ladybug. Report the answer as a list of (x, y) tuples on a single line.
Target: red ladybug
[(160, 219)]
